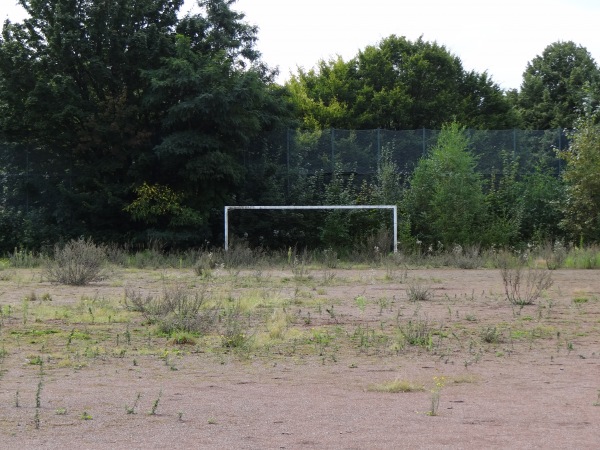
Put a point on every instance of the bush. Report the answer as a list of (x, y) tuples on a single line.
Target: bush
[(178, 309), (523, 287), (78, 263)]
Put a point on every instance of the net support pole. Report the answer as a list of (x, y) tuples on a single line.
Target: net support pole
[(394, 209)]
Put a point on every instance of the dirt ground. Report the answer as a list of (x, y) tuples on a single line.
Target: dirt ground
[(505, 377)]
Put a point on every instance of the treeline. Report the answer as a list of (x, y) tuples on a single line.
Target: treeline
[(125, 122)]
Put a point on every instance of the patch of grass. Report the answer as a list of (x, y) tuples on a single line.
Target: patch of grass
[(21, 258), (583, 258), (396, 386), (417, 292), (491, 335), (418, 332), (466, 378), (183, 338), (178, 309), (278, 323)]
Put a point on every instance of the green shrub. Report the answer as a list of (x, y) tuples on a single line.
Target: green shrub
[(78, 263), (178, 309), (445, 201)]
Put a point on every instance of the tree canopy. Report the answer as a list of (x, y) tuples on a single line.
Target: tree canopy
[(399, 84), (556, 85), (115, 95), (125, 121)]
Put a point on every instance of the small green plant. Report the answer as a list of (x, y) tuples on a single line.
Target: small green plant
[(24, 259), (25, 311), (361, 302), (38, 394), (205, 264), (299, 265), (416, 332), (36, 419), (85, 416), (417, 292), (61, 411), (235, 334), (439, 383), (155, 404), (597, 402), (131, 409), (491, 335)]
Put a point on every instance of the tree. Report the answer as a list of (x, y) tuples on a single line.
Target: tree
[(398, 85), (582, 206), (445, 201), (213, 96), (121, 102), (555, 86), (71, 89)]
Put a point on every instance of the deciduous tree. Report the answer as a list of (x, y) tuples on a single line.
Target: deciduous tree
[(556, 84)]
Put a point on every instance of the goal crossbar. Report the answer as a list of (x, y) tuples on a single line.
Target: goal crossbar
[(393, 208)]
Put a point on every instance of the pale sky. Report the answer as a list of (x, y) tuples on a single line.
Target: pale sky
[(499, 37)]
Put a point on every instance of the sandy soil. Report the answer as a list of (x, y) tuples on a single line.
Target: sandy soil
[(536, 387)]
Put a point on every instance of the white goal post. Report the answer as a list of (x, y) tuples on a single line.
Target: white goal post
[(392, 207)]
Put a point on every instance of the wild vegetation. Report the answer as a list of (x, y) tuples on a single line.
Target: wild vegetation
[(146, 134)]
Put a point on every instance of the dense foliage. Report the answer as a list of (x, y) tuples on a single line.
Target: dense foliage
[(556, 86), (119, 103), (127, 122), (399, 85)]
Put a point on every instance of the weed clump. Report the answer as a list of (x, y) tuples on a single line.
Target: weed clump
[(417, 292), (523, 286), (178, 309), (77, 263)]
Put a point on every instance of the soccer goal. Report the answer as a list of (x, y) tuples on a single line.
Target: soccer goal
[(393, 208)]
